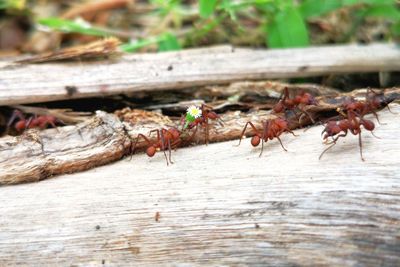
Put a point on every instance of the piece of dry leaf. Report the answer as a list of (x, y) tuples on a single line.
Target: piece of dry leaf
[(97, 49)]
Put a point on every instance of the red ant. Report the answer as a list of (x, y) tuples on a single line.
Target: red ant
[(272, 128), (166, 140), (352, 123), (373, 101), (299, 101), (42, 121), (206, 114)]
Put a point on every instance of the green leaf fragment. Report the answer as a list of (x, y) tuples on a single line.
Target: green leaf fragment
[(288, 29), (70, 26), (207, 7)]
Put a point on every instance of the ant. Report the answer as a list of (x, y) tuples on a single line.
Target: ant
[(272, 128), (42, 121), (206, 114), (351, 123), (299, 101), (166, 140), (373, 101)]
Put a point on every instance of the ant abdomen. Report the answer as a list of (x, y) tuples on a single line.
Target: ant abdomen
[(151, 151), (255, 140), (20, 125)]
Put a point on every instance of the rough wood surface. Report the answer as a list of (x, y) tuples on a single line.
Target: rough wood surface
[(131, 73), (232, 209), (37, 155)]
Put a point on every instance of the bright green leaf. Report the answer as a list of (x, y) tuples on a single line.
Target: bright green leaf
[(288, 29), (168, 42), (135, 45), (207, 7), (70, 26)]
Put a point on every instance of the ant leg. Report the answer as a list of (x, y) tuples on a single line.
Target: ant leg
[(262, 147), (376, 116), (54, 126), (133, 147), (169, 150), (373, 134), (281, 143), (323, 152), (391, 110), (163, 145), (206, 132), (193, 134), (244, 130), (290, 131), (360, 144), (157, 131), (332, 144), (308, 115), (16, 114)]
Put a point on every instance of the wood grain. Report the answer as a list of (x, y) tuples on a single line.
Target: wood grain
[(37, 155), (131, 73), (219, 205)]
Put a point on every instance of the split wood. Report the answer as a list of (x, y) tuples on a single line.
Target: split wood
[(38, 155)]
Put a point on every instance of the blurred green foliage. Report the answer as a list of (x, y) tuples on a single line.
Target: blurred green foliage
[(283, 23), (12, 4)]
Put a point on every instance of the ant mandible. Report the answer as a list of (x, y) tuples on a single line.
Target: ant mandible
[(206, 114), (352, 123), (272, 128), (166, 140)]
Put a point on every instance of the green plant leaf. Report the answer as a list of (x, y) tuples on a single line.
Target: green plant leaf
[(207, 7), (135, 45), (395, 29), (288, 29), (370, 2), (383, 11), (70, 26), (314, 8), (168, 42)]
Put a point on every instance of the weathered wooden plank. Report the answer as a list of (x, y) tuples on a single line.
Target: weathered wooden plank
[(131, 73), (219, 205)]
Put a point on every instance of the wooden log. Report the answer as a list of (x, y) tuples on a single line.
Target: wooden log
[(132, 73), (218, 205), (37, 155)]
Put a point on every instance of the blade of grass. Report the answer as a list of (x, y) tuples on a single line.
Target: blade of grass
[(69, 26)]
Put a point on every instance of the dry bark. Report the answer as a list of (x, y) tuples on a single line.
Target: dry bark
[(37, 155)]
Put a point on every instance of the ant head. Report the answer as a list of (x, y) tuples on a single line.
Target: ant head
[(151, 151), (212, 115), (344, 125), (255, 140)]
